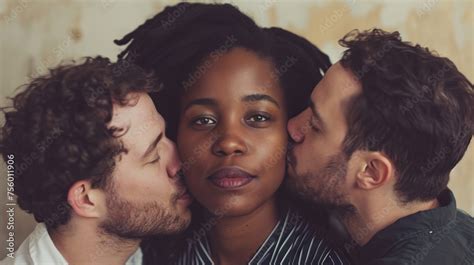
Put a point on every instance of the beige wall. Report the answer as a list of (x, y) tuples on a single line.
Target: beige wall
[(39, 33)]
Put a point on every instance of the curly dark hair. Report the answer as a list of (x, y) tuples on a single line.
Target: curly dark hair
[(416, 107), (57, 130)]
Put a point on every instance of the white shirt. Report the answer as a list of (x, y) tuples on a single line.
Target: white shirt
[(39, 249)]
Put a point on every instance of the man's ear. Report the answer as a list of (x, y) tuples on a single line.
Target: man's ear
[(85, 200), (376, 170)]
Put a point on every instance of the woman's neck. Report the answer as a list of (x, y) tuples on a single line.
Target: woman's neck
[(234, 240)]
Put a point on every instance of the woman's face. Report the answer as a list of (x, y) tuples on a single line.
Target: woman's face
[(232, 134)]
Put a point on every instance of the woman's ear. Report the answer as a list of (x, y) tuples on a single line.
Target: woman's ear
[(86, 201), (377, 170)]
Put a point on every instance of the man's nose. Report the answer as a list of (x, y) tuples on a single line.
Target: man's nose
[(174, 165), (295, 129)]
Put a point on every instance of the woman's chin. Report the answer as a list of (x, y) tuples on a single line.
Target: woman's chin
[(233, 206)]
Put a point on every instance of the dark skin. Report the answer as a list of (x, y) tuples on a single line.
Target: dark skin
[(235, 116)]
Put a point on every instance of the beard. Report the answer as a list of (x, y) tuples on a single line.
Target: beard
[(323, 188), (131, 220)]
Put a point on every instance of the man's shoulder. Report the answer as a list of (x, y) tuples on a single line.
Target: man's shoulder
[(16, 259), (37, 248), (21, 256), (433, 257), (464, 219), (451, 244)]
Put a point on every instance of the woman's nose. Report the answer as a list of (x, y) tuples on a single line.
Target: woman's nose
[(229, 144)]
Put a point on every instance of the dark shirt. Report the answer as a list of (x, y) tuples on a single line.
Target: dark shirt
[(443, 236)]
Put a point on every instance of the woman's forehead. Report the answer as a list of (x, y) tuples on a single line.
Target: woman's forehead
[(237, 74)]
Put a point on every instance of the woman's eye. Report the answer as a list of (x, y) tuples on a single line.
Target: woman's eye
[(204, 121), (259, 118)]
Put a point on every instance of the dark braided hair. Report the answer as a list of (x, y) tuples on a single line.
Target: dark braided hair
[(179, 41), (298, 80)]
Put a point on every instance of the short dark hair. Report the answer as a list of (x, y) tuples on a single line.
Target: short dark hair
[(180, 40), (416, 107), (57, 129)]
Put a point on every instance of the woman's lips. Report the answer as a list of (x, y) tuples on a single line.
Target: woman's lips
[(230, 178)]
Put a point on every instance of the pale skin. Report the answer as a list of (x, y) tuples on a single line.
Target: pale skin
[(98, 249), (371, 176), (81, 240)]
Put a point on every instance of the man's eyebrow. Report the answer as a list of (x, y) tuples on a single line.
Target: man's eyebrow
[(201, 101), (258, 97), (152, 146), (316, 113)]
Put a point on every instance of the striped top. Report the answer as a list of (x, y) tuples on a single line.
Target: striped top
[(292, 241)]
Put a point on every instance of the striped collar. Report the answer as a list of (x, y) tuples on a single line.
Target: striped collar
[(292, 241)]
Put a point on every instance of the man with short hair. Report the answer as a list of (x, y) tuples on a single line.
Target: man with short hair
[(94, 166), (384, 129)]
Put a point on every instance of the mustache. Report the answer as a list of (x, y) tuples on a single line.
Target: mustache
[(181, 187)]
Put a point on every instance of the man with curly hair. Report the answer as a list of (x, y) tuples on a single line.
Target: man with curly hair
[(93, 165), (383, 131)]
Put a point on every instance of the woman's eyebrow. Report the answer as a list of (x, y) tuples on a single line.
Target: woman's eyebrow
[(259, 97), (201, 101)]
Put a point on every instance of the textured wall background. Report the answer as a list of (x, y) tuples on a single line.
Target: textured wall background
[(36, 34)]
